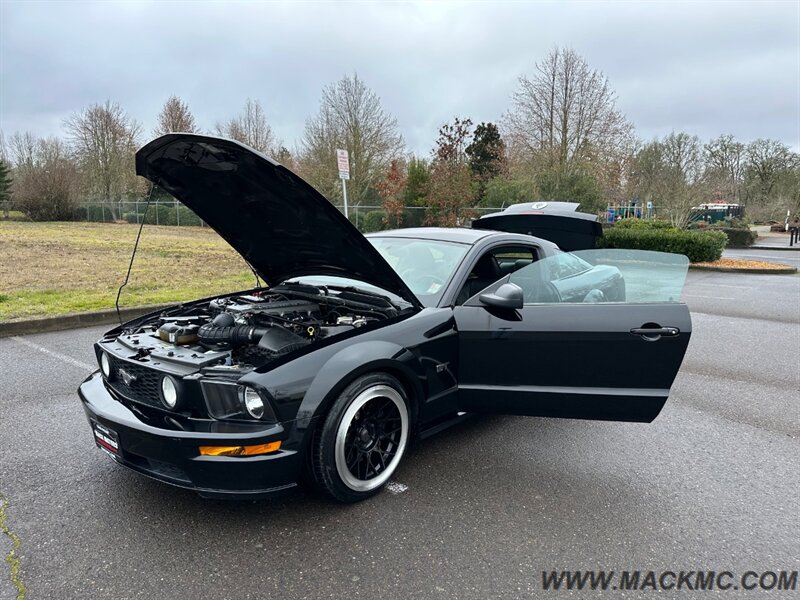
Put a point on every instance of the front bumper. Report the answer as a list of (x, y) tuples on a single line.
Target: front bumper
[(172, 456)]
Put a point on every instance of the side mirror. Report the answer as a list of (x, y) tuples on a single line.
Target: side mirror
[(508, 295)]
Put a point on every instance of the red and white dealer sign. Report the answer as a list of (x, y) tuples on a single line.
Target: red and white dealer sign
[(343, 160)]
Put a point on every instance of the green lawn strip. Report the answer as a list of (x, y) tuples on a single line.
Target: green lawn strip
[(11, 558), (52, 269), (52, 302)]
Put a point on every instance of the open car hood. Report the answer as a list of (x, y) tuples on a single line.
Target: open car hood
[(558, 222), (280, 225)]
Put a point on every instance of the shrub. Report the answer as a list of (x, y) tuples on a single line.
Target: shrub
[(372, 221), (413, 217), (698, 246), (697, 225), (187, 217), (98, 212), (643, 224), (163, 214), (738, 237)]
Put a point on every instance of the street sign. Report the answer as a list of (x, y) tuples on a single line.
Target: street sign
[(343, 160)]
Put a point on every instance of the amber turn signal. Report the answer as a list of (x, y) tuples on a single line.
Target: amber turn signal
[(240, 450)]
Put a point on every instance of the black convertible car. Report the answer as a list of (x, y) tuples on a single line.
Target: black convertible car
[(357, 344)]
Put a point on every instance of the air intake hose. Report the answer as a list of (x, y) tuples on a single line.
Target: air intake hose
[(223, 330)]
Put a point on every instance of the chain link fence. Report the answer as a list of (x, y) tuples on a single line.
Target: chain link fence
[(367, 218), (160, 212), (173, 213)]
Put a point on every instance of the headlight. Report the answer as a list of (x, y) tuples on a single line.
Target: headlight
[(231, 400), (254, 403), (105, 365), (169, 392)]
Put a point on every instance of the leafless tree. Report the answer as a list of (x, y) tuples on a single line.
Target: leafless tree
[(772, 179), (175, 116), (350, 117), (564, 118), (22, 149), (104, 140), (670, 173), (726, 160), (45, 177), (250, 127), (4, 151)]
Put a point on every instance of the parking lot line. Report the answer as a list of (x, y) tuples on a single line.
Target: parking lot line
[(62, 357), (712, 284), (714, 297)]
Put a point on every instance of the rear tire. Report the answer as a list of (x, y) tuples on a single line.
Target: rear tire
[(362, 439)]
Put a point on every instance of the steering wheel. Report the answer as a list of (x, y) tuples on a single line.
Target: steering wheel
[(420, 282)]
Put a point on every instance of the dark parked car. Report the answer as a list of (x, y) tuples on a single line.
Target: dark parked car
[(358, 344)]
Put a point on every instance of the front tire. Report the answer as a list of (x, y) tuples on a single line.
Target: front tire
[(362, 438)]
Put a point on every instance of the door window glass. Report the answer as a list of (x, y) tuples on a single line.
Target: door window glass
[(607, 275), (493, 265)]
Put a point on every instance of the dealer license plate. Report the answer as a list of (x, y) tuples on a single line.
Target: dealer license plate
[(106, 438)]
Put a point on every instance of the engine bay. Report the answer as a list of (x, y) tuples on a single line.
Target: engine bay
[(250, 329)]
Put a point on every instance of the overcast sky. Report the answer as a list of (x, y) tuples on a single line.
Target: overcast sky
[(705, 68)]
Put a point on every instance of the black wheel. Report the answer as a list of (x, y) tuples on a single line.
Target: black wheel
[(362, 439)]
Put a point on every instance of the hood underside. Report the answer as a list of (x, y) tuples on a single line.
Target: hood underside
[(280, 225)]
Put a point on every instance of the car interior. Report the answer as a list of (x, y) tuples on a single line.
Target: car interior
[(492, 265)]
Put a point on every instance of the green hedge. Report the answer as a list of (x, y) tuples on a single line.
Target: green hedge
[(164, 215), (374, 220), (698, 246), (643, 224), (738, 237)]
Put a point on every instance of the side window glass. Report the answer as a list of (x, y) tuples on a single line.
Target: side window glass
[(609, 275), (510, 259), (493, 265)]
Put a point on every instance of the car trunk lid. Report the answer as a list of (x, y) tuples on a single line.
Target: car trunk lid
[(558, 222)]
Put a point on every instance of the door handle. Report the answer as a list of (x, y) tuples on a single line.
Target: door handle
[(651, 334)]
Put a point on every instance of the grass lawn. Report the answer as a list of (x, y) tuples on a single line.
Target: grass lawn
[(57, 268)]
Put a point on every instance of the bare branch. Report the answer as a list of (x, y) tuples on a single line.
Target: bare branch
[(251, 128), (350, 117)]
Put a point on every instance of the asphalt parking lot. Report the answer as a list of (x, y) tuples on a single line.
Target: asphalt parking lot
[(712, 484)]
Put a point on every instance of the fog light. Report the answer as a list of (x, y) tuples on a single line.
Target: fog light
[(169, 392), (240, 450), (105, 365), (254, 403)]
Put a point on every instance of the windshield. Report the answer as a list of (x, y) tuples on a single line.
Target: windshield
[(425, 266)]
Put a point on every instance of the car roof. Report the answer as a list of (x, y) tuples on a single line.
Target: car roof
[(444, 234), (458, 234)]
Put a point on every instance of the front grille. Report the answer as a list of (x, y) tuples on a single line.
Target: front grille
[(136, 382)]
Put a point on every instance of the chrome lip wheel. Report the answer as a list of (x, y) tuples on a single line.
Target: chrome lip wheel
[(371, 438)]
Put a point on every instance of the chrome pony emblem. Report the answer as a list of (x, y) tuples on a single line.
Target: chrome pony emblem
[(126, 377)]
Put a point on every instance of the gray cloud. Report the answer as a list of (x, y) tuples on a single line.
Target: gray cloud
[(706, 68)]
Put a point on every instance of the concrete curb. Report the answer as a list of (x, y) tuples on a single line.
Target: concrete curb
[(786, 271), (75, 320), (754, 247)]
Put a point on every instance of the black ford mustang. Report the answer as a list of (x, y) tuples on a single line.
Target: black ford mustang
[(358, 343)]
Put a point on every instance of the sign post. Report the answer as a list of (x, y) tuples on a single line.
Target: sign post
[(343, 161)]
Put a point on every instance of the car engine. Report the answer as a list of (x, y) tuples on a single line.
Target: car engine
[(248, 330)]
